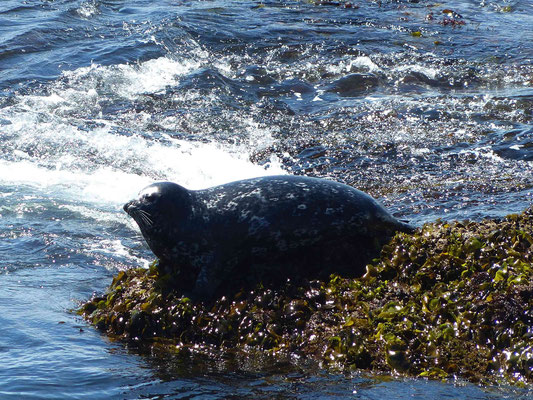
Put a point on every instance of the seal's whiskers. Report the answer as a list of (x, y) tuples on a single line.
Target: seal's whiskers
[(145, 217)]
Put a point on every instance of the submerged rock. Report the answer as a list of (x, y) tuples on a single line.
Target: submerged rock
[(452, 299), (354, 84)]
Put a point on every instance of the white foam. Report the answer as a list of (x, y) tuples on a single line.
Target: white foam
[(357, 64), (363, 62), (484, 152), (193, 165), (115, 249), (130, 80), (88, 9), (430, 73), (103, 186), (259, 138), (102, 166), (153, 76), (47, 145)]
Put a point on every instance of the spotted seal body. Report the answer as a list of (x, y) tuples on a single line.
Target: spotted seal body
[(264, 229)]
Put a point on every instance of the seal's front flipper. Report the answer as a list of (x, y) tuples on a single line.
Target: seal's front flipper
[(207, 284)]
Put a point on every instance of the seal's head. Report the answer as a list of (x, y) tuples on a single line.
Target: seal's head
[(159, 211)]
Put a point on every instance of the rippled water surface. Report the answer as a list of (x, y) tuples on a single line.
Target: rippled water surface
[(427, 106)]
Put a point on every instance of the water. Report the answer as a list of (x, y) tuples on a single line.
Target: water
[(99, 98)]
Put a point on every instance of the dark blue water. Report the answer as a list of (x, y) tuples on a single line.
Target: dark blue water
[(428, 110)]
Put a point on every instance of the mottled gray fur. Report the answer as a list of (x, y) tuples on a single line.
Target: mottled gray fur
[(260, 230)]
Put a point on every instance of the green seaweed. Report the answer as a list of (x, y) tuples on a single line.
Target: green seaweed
[(454, 299)]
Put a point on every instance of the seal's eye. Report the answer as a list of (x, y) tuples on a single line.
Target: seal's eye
[(150, 197), (150, 194)]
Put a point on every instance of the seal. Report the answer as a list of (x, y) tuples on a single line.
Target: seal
[(261, 230)]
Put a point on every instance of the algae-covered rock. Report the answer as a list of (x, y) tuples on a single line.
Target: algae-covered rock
[(452, 299)]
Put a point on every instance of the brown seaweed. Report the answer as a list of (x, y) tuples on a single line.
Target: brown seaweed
[(454, 299)]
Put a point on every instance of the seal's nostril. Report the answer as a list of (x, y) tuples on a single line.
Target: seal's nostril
[(126, 206)]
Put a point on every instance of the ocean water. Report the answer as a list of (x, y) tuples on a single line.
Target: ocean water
[(426, 106)]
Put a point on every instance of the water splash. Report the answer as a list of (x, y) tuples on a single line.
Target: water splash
[(60, 141)]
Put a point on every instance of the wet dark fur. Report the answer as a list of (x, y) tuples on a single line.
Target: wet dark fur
[(261, 230)]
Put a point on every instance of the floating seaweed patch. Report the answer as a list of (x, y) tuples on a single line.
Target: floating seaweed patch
[(450, 18), (452, 299), (451, 22)]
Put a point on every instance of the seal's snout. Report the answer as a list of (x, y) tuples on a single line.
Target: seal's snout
[(127, 206)]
